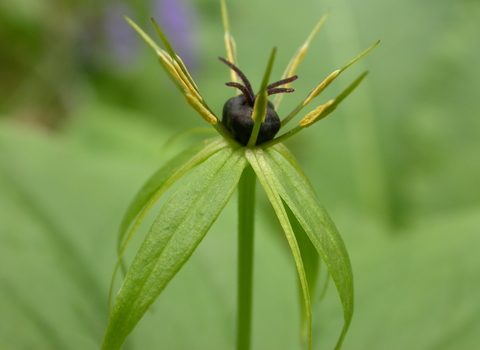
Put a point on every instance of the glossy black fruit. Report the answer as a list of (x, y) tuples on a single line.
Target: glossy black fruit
[(237, 111), (237, 117)]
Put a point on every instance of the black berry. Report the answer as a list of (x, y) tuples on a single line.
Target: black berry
[(237, 111)]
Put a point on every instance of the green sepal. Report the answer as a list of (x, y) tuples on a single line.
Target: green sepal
[(179, 227)]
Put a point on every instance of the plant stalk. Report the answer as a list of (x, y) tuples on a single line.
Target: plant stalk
[(246, 216)]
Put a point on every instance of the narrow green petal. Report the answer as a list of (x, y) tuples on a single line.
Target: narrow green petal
[(170, 61), (347, 91), (322, 111), (359, 56), (173, 55), (230, 45), (164, 39), (179, 227), (323, 85), (298, 57), (144, 35), (164, 57), (297, 192), (316, 115), (261, 101), (265, 174)]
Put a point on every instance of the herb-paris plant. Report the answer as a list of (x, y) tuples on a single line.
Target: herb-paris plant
[(246, 149)]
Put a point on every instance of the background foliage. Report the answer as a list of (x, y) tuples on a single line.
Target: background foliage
[(85, 111)]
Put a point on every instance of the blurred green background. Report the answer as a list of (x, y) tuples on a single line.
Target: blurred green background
[(85, 111)]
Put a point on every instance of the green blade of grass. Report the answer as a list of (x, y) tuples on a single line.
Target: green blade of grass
[(179, 227)]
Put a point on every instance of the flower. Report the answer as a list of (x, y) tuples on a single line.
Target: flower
[(178, 72), (248, 147)]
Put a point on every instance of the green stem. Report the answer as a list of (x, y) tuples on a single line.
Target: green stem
[(246, 216)]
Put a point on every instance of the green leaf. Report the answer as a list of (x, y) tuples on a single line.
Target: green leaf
[(311, 264), (178, 229), (299, 195), (151, 191), (311, 261), (161, 181), (256, 157)]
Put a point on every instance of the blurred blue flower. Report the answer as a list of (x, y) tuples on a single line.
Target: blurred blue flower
[(120, 41), (107, 39), (178, 20)]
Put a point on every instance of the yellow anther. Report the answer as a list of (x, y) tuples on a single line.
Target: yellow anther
[(204, 112), (315, 115), (321, 87)]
